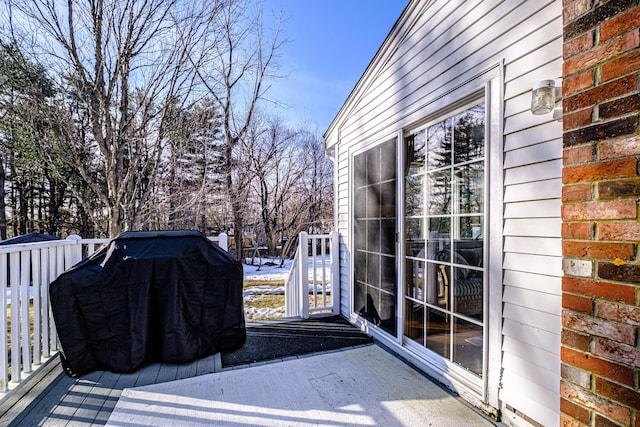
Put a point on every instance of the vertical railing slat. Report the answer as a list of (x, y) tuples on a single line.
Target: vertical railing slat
[(323, 254), (303, 274), (25, 327), (14, 277), (44, 293), (59, 268), (314, 254), (36, 284)]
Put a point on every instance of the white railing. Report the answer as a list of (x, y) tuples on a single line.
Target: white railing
[(29, 336), (26, 269), (313, 284)]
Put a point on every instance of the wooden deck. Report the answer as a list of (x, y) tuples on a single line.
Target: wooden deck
[(364, 386), (59, 400), (52, 398)]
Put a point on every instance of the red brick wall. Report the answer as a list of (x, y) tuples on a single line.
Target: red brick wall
[(601, 288)]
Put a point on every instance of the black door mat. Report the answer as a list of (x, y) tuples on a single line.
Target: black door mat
[(276, 340)]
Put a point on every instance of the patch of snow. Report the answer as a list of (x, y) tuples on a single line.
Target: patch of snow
[(271, 271), (253, 314), (268, 271)]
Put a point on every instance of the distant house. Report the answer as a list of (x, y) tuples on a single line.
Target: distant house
[(459, 229)]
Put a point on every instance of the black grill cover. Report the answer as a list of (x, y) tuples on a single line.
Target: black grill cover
[(29, 238), (148, 297)]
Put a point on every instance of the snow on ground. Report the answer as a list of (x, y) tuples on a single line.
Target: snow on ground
[(271, 271)]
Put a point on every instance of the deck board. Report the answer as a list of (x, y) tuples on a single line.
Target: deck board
[(361, 386), (59, 400)]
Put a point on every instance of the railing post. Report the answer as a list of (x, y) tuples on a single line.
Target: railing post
[(74, 255), (335, 271), (223, 241), (303, 271)]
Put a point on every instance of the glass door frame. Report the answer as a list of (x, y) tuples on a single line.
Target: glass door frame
[(488, 84), (445, 362), (489, 87)]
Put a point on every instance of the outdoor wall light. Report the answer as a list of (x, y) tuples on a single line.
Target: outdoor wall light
[(544, 97)]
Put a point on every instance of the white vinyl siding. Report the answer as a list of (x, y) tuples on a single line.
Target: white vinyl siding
[(433, 51)]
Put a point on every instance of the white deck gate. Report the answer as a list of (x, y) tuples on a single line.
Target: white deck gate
[(313, 284), (28, 338)]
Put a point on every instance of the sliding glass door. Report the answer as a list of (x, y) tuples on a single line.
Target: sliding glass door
[(445, 223), (374, 236)]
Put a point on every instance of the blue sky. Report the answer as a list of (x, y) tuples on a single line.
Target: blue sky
[(331, 44)]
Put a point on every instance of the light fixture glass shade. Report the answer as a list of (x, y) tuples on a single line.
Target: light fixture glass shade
[(543, 97)]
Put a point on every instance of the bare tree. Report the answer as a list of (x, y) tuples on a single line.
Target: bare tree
[(37, 196), (235, 69), (277, 165), (155, 109), (118, 65), (310, 206)]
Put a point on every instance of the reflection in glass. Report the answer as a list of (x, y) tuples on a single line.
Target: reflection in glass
[(467, 346), (388, 199), (414, 322), (360, 203), (469, 134), (360, 297), (387, 236), (439, 145), (360, 259), (415, 152), (388, 162), (373, 165), (371, 305), (360, 233), (469, 188), (468, 292), (468, 253), (387, 312), (373, 235), (471, 228), (438, 332), (415, 279), (415, 236), (414, 195), (373, 268), (373, 201), (439, 189), (437, 284), (387, 274), (360, 167), (443, 286), (439, 243)]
